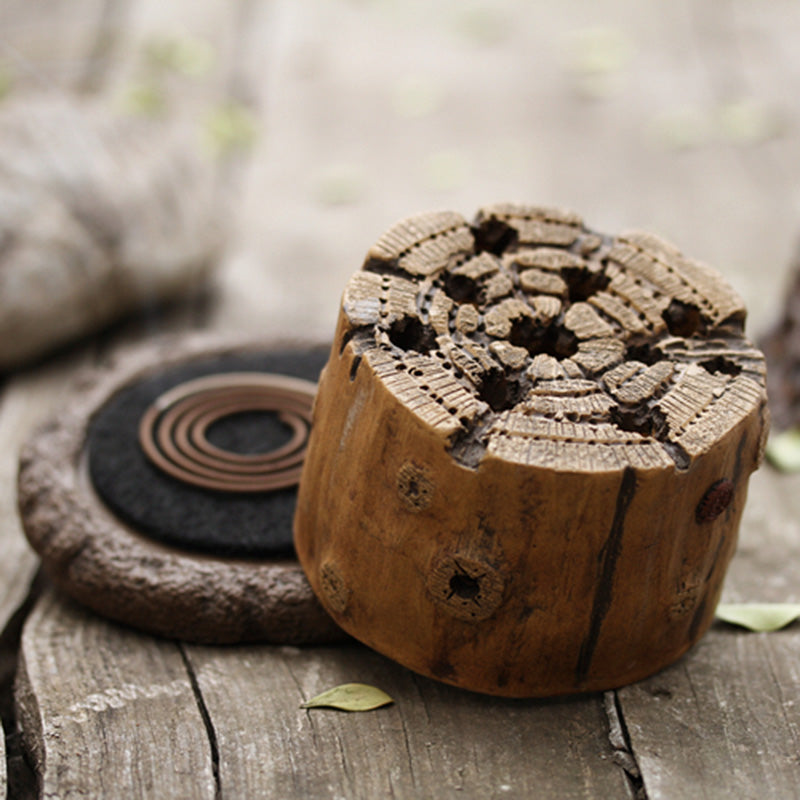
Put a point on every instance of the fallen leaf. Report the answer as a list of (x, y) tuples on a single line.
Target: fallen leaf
[(186, 55), (783, 450), (748, 122), (595, 59), (446, 170), (231, 127), (340, 184), (483, 24), (416, 96), (144, 99), (598, 50), (682, 128), (761, 617), (350, 697)]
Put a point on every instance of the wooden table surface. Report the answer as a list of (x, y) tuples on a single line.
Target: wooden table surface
[(677, 117)]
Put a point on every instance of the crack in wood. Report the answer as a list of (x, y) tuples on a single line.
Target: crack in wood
[(605, 581), (207, 721), (20, 774), (620, 741)]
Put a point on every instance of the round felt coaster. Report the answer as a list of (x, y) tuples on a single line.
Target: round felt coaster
[(122, 535), (169, 507)]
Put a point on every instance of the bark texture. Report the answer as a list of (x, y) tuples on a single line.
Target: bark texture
[(530, 451)]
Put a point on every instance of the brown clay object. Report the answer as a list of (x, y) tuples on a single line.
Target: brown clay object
[(117, 570), (530, 451)]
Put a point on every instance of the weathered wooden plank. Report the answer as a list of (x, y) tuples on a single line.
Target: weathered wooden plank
[(107, 712), (724, 722), (23, 403), (766, 567), (436, 741), (3, 780)]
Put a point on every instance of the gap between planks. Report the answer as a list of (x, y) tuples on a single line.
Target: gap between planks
[(435, 741)]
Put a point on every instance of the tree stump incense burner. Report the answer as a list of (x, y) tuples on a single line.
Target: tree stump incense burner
[(530, 452)]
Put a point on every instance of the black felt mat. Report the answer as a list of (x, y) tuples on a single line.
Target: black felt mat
[(181, 515)]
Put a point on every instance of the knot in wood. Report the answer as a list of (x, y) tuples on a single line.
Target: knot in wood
[(334, 588), (414, 485), (717, 498), (465, 587)]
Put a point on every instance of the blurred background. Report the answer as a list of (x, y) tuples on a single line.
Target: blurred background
[(327, 120)]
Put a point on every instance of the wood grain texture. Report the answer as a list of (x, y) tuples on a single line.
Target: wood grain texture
[(3, 777), (733, 203), (435, 741), (107, 712), (554, 514), (24, 401), (723, 722)]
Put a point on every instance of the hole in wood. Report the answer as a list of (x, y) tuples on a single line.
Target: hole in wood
[(683, 319), (722, 365), (409, 333), (462, 585), (525, 315), (552, 340), (463, 289), (583, 283), (494, 236)]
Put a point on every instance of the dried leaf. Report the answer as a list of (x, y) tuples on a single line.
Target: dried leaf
[(350, 697), (759, 617), (783, 450)]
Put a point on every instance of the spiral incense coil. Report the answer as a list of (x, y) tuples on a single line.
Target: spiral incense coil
[(174, 431)]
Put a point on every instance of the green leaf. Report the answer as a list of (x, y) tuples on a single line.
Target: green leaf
[(749, 122), (183, 54), (145, 100), (350, 697), (783, 450), (231, 127), (446, 170), (340, 184), (682, 128), (416, 96), (761, 617)]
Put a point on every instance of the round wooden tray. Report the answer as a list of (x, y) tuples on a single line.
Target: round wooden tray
[(120, 573)]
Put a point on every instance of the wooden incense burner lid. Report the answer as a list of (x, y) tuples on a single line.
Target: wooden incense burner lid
[(530, 452)]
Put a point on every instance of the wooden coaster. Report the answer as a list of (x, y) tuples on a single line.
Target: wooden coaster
[(531, 451), (178, 588)]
